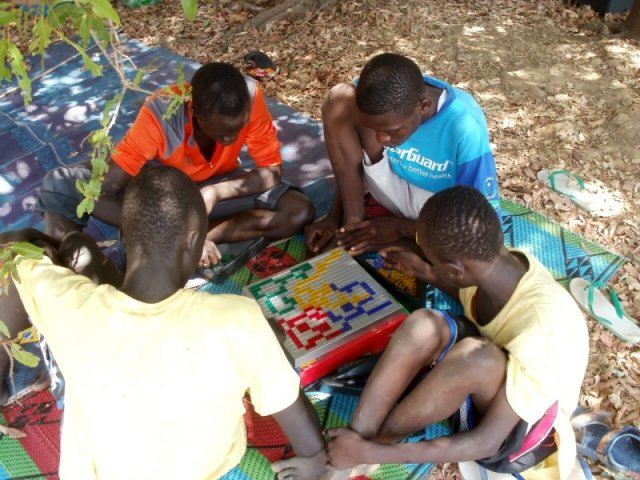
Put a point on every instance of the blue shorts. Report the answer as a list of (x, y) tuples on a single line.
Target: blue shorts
[(60, 195)]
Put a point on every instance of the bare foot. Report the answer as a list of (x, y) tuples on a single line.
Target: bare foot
[(334, 474), (301, 468)]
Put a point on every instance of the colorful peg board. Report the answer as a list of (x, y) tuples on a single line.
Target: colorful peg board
[(321, 304)]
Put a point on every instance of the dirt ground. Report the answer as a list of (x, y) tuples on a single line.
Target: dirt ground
[(559, 87)]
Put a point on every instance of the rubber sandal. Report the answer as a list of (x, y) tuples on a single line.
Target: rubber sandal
[(609, 314), (619, 450), (589, 428), (590, 198), (259, 66)]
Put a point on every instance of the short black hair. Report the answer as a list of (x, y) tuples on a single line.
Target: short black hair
[(161, 204), (219, 87), (459, 222), (389, 83)]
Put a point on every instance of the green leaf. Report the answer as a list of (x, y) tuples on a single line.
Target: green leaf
[(6, 17), (190, 8), (27, 250), (180, 81), (4, 330), (86, 206), (104, 9), (137, 80), (81, 186), (24, 357), (97, 136), (99, 167), (5, 73), (84, 30), (5, 254), (101, 32), (93, 190), (63, 10), (19, 69), (93, 67), (42, 36)]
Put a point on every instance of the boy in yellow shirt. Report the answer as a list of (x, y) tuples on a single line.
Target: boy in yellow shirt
[(519, 353), (155, 374)]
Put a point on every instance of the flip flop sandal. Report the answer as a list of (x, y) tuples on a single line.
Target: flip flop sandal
[(619, 450), (610, 314), (589, 199), (259, 66), (589, 428)]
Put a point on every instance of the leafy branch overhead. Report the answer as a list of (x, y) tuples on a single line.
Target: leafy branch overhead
[(10, 256), (85, 25), (28, 29)]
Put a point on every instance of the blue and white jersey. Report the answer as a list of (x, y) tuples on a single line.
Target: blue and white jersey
[(451, 148)]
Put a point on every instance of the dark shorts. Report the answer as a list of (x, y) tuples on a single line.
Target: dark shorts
[(60, 195), (520, 450)]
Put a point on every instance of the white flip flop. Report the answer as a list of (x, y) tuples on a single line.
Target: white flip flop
[(610, 315), (593, 199)]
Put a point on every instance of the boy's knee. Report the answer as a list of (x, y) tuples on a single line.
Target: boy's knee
[(59, 194), (423, 323), (304, 214), (423, 328), (481, 353), (296, 211)]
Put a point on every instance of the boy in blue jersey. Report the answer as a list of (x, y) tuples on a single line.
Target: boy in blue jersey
[(402, 137)]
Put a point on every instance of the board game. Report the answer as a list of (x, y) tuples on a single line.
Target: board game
[(319, 305)]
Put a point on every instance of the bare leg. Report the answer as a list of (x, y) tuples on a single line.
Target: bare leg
[(416, 344), (474, 366), (293, 212)]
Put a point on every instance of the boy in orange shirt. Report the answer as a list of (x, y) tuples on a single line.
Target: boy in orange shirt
[(203, 139)]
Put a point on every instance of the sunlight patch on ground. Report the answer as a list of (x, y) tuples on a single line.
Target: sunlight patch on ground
[(5, 186), (591, 76), (471, 31)]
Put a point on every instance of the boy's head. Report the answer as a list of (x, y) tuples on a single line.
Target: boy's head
[(459, 224), (164, 216), (389, 97), (220, 101)]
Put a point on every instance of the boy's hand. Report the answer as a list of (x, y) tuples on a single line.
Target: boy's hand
[(210, 254), (370, 234), (301, 468), (346, 448), (318, 235), (404, 259)]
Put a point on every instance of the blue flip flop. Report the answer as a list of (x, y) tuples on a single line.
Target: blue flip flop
[(618, 450), (589, 427)]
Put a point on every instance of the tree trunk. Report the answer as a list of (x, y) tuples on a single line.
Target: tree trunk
[(632, 23)]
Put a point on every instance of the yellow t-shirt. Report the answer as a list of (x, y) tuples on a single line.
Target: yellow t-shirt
[(545, 336), (154, 391)]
